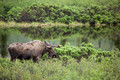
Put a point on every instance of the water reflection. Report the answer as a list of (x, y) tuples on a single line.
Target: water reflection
[(8, 36), (3, 42), (63, 41), (84, 39), (78, 40), (105, 39), (116, 41)]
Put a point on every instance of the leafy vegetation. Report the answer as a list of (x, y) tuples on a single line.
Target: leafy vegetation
[(92, 11), (87, 51), (74, 63), (66, 67)]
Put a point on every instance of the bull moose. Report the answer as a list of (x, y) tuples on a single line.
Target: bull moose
[(31, 50)]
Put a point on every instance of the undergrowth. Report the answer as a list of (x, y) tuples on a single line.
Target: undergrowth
[(55, 69), (92, 65)]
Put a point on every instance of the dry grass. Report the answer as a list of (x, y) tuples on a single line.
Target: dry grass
[(15, 24), (75, 24), (44, 25), (37, 24)]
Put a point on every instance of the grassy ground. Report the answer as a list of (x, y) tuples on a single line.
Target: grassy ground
[(55, 69)]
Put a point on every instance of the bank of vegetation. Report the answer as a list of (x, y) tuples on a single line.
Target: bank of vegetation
[(91, 11), (74, 63)]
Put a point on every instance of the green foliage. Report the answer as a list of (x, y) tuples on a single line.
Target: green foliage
[(4, 8), (55, 69), (5, 62), (51, 32), (86, 51), (68, 50), (14, 14), (74, 63), (53, 11), (45, 56)]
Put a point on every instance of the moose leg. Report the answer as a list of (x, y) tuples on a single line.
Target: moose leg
[(35, 59), (12, 52), (12, 59)]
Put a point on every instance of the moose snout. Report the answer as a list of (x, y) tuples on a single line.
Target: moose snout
[(54, 56)]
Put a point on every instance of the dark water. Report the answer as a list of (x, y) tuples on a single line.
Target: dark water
[(102, 38)]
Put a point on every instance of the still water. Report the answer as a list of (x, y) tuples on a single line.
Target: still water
[(102, 38)]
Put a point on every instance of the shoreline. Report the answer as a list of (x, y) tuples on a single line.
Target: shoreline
[(46, 25)]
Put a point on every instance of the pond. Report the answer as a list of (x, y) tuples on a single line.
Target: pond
[(102, 38)]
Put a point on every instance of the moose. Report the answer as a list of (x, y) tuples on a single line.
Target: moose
[(31, 50)]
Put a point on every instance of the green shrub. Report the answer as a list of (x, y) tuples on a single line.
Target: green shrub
[(102, 65), (56, 12), (86, 51), (4, 8), (54, 69), (14, 14)]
